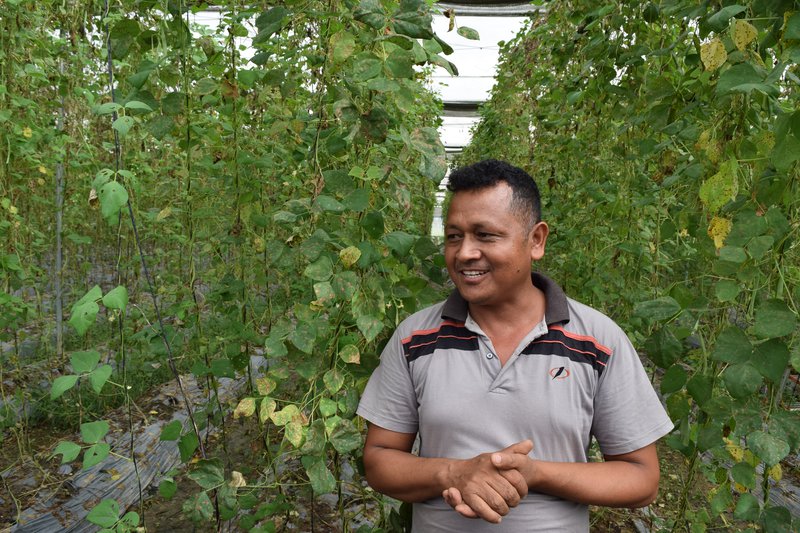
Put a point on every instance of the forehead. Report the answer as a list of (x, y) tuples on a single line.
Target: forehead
[(488, 204)]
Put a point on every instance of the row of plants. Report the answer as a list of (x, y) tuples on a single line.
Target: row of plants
[(665, 137), (261, 188)]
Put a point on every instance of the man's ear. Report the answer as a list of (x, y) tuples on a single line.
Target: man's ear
[(538, 238)]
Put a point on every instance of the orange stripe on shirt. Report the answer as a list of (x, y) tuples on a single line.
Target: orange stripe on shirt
[(604, 349), (442, 337), (570, 348), (429, 331)]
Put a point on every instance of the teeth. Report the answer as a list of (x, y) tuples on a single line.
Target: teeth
[(473, 273)]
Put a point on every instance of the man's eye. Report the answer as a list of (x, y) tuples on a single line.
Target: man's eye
[(452, 236), (484, 235)]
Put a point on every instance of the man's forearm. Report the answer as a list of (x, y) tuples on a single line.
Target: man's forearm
[(610, 484), (405, 476)]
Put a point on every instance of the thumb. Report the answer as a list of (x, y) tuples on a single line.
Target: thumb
[(524, 447)]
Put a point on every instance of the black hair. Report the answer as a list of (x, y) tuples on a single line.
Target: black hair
[(488, 173)]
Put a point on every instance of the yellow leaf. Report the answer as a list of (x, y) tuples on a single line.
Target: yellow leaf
[(349, 256), (245, 408), (713, 54), (27, 132), (265, 386), (741, 489), (350, 354), (237, 480), (258, 245), (268, 406), (776, 472), (93, 200), (718, 229), (294, 433), (42, 170), (736, 451), (743, 34), (722, 187), (164, 213)]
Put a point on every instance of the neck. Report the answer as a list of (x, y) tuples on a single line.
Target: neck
[(523, 311)]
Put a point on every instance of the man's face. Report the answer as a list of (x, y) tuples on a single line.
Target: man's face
[(489, 247)]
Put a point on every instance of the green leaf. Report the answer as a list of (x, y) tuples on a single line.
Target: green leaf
[(758, 247), (732, 346), (113, 197), (222, 368), (722, 499), (468, 33), (199, 507), (771, 358), (371, 13), (342, 46), (774, 319), (726, 290), (719, 20), (285, 415), (83, 316), (699, 388), (673, 380), (768, 448), (69, 451), (747, 508), (303, 337), (171, 431), (84, 362), (369, 326), (663, 348), (399, 242), (116, 298), (322, 481), (345, 285), (92, 432), (187, 446), (95, 454), (400, 64), (722, 187), (319, 270), (61, 385), (658, 309), (743, 78), (345, 437), (274, 346), (107, 108), (792, 30), (333, 380), (315, 439), (327, 407), (328, 204), (734, 254), (104, 514), (208, 473), (99, 377), (366, 67), (167, 489), (123, 125), (137, 105), (777, 520), (742, 380), (744, 474), (413, 18)]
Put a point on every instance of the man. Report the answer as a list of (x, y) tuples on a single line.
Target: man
[(506, 382)]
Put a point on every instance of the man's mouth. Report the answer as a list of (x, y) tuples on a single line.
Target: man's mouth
[(473, 273)]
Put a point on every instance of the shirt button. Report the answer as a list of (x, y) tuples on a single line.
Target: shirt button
[(489, 355)]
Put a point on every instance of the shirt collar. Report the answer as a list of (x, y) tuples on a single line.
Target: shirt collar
[(556, 308)]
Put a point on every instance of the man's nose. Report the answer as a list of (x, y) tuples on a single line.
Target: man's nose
[(469, 250)]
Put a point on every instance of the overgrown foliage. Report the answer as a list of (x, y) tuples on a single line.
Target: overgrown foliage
[(666, 136), (259, 189)]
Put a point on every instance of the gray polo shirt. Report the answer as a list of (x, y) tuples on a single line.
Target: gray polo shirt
[(574, 376)]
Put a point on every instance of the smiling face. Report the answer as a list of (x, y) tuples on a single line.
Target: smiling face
[(489, 246)]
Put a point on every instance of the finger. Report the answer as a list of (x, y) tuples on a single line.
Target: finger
[(524, 447), (466, 511), (453, 497), (506, 490), (517, 480), (488, 510)]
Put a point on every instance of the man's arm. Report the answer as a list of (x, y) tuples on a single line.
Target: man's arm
[(627, 480), (489, 491)]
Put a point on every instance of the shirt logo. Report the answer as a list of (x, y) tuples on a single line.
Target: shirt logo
[(559, 372)]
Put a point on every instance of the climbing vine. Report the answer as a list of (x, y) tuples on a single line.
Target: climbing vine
[(665, 138)]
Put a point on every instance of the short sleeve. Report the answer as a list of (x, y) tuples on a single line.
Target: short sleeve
[(389, 400), (628, 414)]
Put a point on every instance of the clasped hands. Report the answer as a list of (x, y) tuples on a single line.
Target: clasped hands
[(491, 484)]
